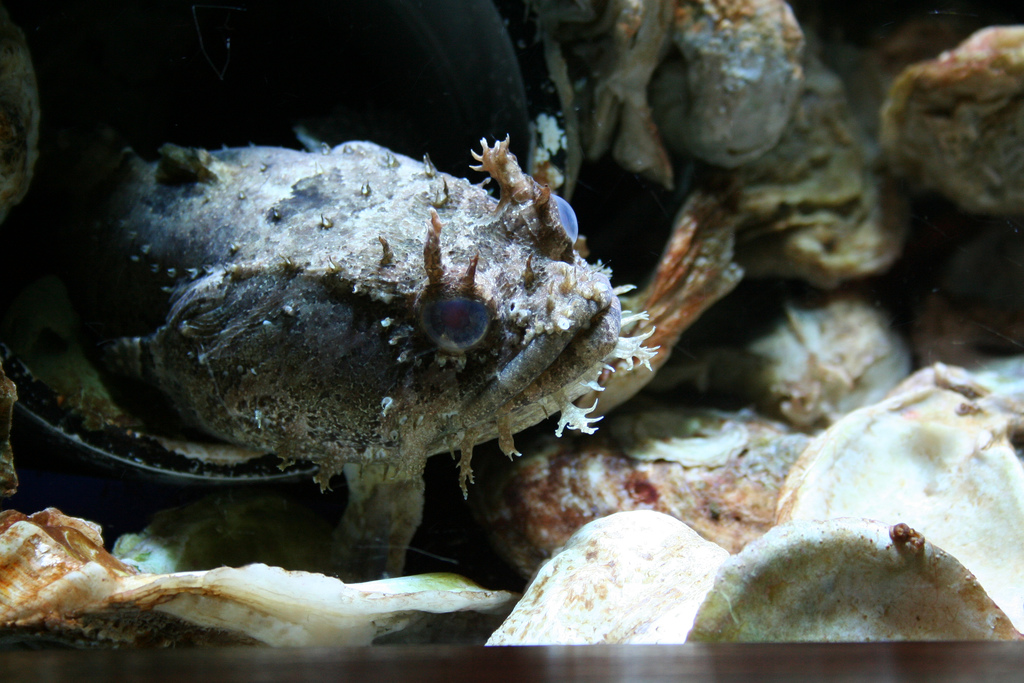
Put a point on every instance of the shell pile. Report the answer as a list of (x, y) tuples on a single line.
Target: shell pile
[(902, 483), (922, 489)]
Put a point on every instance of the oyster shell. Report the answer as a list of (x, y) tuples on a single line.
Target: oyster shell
[(231, 528), (820, 358), (618, 45), (631, 577), (722, 78), (641, 577), (814, 207), (729, 90), (953, 124), (58, 584), (937, 455), (846, 580), (718, 472)]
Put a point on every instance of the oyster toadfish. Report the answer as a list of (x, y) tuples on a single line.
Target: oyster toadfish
[(353, 308)]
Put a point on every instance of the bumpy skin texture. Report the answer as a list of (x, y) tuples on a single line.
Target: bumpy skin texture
[(275, 296)]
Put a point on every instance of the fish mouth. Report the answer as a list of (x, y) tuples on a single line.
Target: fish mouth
[(579, 362), (547, 374)]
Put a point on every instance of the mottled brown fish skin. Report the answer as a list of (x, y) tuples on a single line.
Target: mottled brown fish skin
[(277, 298)]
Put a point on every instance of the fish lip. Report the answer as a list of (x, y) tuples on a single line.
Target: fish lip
[(524, 405), (604, 326)]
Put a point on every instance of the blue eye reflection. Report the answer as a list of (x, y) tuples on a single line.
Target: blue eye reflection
[(455, 324), (568, 218)]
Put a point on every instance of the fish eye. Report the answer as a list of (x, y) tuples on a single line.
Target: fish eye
[(455, 324), (568, 218)]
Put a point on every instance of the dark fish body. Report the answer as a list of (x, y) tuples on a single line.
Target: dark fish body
[(352, 306)]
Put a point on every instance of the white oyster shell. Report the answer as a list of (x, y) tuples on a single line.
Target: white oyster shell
[(631, 577), (818, 360), (846, 580), (57, 583), (952, 123), (719, 472), (936, 455)]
